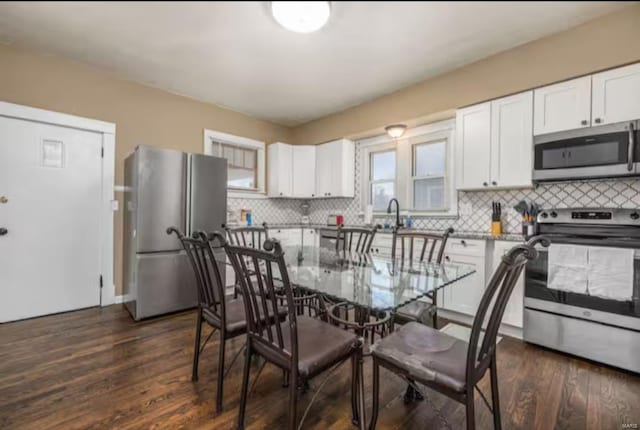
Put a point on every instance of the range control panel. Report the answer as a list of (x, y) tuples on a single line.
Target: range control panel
[(613, 216)]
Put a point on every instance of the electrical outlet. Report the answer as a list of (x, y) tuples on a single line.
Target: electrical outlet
[(465, 209)]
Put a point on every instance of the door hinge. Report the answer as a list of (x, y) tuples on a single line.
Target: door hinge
[(101, 281), (102, 152)]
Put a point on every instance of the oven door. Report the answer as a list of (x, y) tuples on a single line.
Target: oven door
[(617, 312), (606, 151)]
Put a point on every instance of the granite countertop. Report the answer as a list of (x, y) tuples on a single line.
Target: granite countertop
[(478, 235)]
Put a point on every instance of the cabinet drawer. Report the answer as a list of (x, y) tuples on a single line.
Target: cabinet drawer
[(470, 247)]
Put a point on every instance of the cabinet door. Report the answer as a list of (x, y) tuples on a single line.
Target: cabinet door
[(562, 106), (294, 237), (335, 169), (304, 171), (464, 295), (279, 166), (473, 146), (310, 237), (512, 141), (513, 314), (616, 95), (323, 170)]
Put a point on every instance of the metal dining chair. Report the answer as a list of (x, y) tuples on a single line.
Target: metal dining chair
[(223, 314), (418, 247), (302, 346), (446, 364), (355, 239), (249, 236)]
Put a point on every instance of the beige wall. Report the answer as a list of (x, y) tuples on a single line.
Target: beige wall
[(599, 44), (142, 115)]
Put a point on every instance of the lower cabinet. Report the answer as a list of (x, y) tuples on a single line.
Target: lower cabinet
[(464, 296), (514, 312)]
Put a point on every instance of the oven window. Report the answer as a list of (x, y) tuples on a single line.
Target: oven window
[(536, 286)]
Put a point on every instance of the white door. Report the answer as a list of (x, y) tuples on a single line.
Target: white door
[(473, 146), (616, 95), (304, 171), (51, 178), (279, 166), (514, 311), (512, 141), (562, 106), (323, 170), (464, 295)]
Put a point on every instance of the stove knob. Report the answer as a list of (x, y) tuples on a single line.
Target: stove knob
[(554, 215), (544, 215), (634, 216)]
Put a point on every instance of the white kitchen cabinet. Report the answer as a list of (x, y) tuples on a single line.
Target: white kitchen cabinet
[(280, 156), (464, 295), (616, 95), (512, 141), (335, 169), (562, 106), (303, 168), (494, 144), (473, 146), (513, 314), (310, 237)]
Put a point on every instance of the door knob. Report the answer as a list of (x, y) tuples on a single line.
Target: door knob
[(3, 231), (4, 199)]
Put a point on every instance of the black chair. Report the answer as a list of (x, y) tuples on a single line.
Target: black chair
[(301, 346), (446, 364), (363, 239), (430, 248), (247, 236), (223, 314)]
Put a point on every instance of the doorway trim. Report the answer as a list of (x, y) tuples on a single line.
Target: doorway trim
[(108, 131)]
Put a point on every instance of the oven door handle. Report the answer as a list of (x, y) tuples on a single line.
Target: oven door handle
[(630, 148)]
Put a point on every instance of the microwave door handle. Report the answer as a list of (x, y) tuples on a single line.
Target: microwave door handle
[(630, 148)]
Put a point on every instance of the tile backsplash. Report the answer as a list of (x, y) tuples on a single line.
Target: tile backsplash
[(474, 206)]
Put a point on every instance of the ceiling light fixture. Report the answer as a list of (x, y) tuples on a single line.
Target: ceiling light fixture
[(395, 130), (301, 16)]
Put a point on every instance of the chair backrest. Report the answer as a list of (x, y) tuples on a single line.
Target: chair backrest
[(363, 239), (429, 247), (199, 249), (248, 236), (262, 296), (498, 291)]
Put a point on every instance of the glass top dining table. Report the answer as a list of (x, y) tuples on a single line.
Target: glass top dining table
[(374, 282)]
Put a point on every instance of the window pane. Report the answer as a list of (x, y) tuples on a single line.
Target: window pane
[(227, 152), (383, 165), (429, 159), (238, 157), (381, 193), (249, 159), (241, 178), (216, 148), (428, 194)]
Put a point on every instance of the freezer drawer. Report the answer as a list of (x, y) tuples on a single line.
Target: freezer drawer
[(165, 282)]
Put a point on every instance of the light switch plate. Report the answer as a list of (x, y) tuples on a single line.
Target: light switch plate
[(114, 205)]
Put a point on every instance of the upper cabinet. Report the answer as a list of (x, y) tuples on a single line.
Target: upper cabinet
[(616, 95), (494, 144), (305, 171), (280, 182), (562, 106), (335, 169), (603, 98)]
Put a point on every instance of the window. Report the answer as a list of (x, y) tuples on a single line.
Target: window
[(382, 178), (245, 162), (242, 165), (428, 177), (417, 169)]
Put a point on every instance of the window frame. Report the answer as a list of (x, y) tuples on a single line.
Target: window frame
[(372, 181), (212, 137), (404, 181)]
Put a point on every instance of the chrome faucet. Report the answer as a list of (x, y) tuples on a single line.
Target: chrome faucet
[(398, 223)]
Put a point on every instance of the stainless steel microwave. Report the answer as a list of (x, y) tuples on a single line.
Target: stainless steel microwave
[(605, 151)]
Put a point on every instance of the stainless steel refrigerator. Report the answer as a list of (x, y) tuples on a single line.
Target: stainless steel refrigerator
[(166, 188)]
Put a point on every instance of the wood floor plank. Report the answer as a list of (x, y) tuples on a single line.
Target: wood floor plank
[(98, 369)]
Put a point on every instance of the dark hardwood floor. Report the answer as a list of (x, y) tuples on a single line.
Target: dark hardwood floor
[(98, 369)]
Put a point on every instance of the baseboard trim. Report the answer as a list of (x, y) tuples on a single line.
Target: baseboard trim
[(118, 299)]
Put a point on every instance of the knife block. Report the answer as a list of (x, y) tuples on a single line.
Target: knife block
[(496, 228)]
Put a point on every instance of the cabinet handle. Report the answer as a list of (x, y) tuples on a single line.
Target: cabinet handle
[(494, 183), (484, 184), (598, 120), (447, 258), (584, 122), (280, 193), (313, 195), (463, 243)]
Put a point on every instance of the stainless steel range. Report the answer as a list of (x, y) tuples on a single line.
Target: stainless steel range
[(582, 296)]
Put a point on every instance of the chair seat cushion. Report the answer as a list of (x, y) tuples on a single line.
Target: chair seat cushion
[(414, 311), (320, 344), (235, 315), (426, 354)]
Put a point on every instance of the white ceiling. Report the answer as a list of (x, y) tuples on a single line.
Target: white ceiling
[(235, 55)]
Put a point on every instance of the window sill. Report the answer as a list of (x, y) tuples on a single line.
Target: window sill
[(404, 213), (242, 194)]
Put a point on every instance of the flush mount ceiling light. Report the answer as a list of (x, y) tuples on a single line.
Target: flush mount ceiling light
[(395, 130), (301, 16)]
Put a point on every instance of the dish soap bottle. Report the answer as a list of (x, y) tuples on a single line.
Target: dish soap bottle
[(408, 223)]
